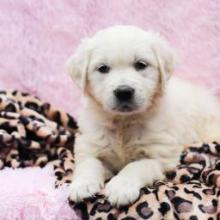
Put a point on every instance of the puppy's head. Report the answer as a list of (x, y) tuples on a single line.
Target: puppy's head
[(122, 68)]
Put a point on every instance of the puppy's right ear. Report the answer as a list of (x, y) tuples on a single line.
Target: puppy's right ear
[(77, 64)]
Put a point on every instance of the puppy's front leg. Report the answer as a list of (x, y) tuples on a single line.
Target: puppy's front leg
[(89, 172), (88, 179), (125, 187)]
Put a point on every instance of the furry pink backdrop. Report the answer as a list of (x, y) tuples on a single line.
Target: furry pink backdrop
[(37, 36)]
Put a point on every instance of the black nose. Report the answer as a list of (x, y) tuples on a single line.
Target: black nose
[(124, 93)]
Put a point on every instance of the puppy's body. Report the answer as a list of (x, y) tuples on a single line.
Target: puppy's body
[(138, 145), (185, 115)]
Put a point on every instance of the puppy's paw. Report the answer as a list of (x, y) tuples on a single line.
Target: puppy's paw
[(81, 189), (121, 191)]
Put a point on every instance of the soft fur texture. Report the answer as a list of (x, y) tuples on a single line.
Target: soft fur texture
[(29, 194), (38, 36), (144, 138)]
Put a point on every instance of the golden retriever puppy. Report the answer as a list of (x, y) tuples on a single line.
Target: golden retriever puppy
[(135, 117)]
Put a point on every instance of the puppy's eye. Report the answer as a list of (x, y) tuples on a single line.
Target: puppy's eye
[(103, 69), (140, 65)]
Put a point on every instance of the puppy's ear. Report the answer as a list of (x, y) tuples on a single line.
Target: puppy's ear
[(166, 59), (77, 64)]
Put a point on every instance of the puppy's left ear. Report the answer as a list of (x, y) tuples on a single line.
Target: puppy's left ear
[(77, 64), (166, 59)]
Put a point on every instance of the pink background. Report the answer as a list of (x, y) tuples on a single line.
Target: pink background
[(37, 36)]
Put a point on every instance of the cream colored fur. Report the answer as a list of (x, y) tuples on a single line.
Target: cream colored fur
[(137, 147)]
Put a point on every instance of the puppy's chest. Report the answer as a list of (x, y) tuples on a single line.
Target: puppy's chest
[(124, 146)]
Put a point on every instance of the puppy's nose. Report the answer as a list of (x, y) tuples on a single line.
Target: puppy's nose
[(124, 93)]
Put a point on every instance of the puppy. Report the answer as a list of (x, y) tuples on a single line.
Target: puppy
[(134, 119)]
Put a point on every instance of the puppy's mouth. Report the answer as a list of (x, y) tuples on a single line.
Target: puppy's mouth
[(125, 107)]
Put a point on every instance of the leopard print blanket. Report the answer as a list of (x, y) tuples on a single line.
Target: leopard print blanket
[(34, 133)]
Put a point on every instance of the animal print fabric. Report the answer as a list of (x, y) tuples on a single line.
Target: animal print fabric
[(34, 133)]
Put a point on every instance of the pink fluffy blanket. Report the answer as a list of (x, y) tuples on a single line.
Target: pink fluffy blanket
[(29, 194)]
